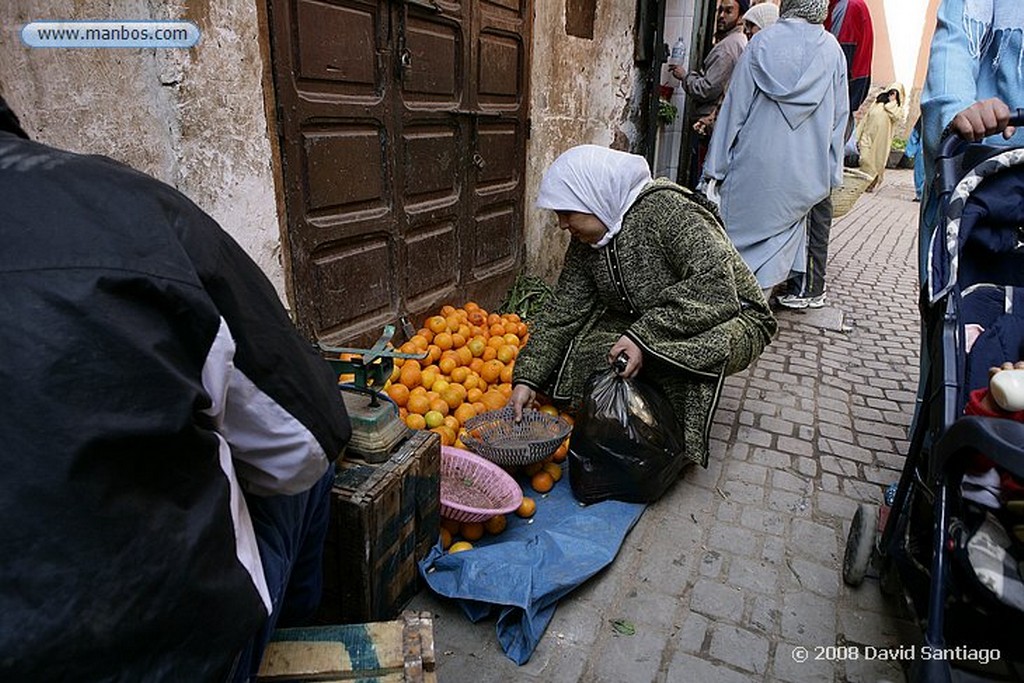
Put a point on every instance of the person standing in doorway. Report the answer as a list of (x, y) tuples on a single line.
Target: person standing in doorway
[(707, 85)]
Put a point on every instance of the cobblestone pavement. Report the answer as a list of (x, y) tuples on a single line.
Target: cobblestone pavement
[(741, 563)]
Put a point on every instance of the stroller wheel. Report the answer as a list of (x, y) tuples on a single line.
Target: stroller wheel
[(860, 544)]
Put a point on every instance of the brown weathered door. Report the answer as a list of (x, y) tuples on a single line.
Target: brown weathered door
[(403, 133)]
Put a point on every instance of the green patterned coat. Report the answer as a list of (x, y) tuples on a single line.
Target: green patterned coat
[(673, 283)]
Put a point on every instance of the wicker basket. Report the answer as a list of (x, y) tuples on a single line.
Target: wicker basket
[(847, 194), (498, 437), (473, 489)]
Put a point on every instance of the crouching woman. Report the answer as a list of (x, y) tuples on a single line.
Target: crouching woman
[(649, 272)]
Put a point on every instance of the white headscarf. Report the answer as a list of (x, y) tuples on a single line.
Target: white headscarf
[(762, 15), (595, 180)]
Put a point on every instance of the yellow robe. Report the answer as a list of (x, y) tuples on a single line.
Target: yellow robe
[(874, 136)]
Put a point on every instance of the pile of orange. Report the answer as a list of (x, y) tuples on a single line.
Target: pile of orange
[(467, 371)]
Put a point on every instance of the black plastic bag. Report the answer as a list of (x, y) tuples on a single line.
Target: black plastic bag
[(627, 444)]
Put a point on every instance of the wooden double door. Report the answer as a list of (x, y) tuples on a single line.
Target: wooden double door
[(403, 127)]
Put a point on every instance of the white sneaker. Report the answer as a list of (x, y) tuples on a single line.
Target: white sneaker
[(800, 302)]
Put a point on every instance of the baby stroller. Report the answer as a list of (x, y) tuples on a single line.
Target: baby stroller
[(955, 561)]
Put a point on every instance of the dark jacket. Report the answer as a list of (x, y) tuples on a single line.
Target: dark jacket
[(147, 368), (670, 280)]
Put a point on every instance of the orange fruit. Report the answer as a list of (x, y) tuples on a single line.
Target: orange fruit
[(440, 406), (448, 364), (452, 322), (521, 331), (410, 374), (542, 482), (446, 538), (418, 404), (472, 381), (480, 407), (433, 419), (506, 373), (549, 410), (433, 353), (493, 399), (415, 421), (452, 423), (419, 341), (426, 334), (464, 412), (446, 433), (447, 310), (507, 353), (471, 306), (491, 371), (568, 418), (459, 339), (533, 468), (418, 390), (495, 525), (465, 356), (471, 531), (562, 452), (460, 546), (527, 507), (490, 353), (493, 319), (554, 470), (476, 365), (408, 347), (476, 317), (510, 328), (512, 317), (459, 374), (443, 340), (473, 395), (428, 377), (452, 397), (511, 339), (497, 330), (436, 324), (451, 525), (476, 346), (399, 393)]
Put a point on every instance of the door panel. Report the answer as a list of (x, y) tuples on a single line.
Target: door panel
[(403, 135)]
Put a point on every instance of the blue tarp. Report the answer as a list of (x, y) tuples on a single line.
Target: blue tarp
[(523, 572)]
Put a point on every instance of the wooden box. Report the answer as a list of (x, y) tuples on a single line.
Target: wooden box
[(399, 651), (384, 519)]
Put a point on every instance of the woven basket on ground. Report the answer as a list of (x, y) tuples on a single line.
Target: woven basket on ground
[(473, 489), (847, 194), (498, 437)]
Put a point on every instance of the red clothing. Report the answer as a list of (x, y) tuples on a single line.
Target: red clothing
[(856, 35)]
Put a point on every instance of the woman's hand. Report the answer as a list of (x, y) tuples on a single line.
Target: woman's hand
[(982, 119), (522, 397), (633, 353), (678, 71)]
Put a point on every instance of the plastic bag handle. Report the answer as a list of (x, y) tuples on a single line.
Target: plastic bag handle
[(620, 363)]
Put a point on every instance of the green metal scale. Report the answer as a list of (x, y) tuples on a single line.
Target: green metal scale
[(376, 425)]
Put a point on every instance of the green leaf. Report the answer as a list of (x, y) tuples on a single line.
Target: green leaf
[(621, 627)]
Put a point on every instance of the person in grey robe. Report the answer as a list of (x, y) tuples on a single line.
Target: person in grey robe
[(777, 149)]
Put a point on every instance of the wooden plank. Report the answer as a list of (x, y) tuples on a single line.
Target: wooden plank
[(399, 651)]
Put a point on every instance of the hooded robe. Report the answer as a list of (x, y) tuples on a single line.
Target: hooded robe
[(874, 135), (777, 149)]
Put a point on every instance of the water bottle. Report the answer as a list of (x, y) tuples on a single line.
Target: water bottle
[(678, 54)]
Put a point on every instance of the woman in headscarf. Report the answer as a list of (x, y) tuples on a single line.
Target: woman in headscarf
[(874, 134), (759, 17), (649, 272), (777, 149)]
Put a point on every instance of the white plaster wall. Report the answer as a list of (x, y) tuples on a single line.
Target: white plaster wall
[(678, 22), (192, 118), (580, 92)]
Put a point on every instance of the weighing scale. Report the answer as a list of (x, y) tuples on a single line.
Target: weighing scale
[(376, 426)]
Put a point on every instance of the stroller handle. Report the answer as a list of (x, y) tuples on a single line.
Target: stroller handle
[(951, 144)]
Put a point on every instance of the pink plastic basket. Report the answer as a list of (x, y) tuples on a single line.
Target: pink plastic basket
[(474, 489)]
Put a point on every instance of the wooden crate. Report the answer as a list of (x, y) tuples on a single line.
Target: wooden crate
[(384, 518), (400, 651)]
